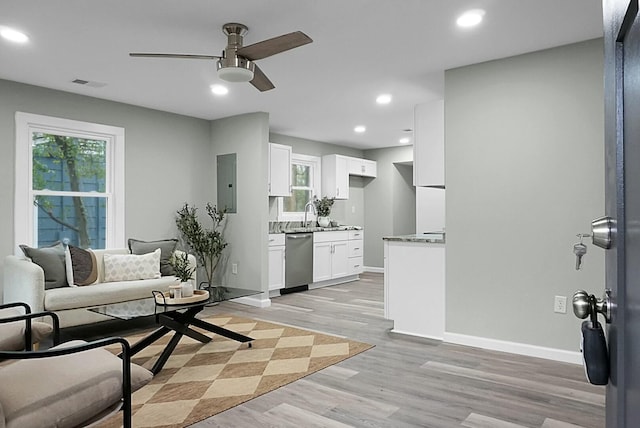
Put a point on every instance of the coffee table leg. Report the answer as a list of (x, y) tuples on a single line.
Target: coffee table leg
[(221, 331), (182, 327), (143, 343), (166, 353)]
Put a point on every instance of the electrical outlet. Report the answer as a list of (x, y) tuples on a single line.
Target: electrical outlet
[(560, 304), (234, 269)]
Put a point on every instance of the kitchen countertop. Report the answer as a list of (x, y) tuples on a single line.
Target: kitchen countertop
[(434, 238), (297, 228)]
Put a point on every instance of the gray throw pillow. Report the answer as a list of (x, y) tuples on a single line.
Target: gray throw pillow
[(51, 260), (167, 247)]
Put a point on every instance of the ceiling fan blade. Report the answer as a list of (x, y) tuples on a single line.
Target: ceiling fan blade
[(273, 46), (179, 56), (260, 80)]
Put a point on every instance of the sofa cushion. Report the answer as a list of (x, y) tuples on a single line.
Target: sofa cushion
[(81, 265), (130, 267), (51, 260), (66, 399), (12, 333), (105, 293), (167, 247)]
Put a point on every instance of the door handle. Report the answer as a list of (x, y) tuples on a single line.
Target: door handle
[(593, 343), (582, 307), (603, 231)]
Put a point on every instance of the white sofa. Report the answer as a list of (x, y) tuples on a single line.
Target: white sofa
[(24, 282)]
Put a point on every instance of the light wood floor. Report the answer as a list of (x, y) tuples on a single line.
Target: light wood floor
[(409, 382)]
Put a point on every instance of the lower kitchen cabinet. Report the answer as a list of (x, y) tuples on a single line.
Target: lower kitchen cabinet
[(356, 252), (276, 261), (330, 260), (336, 255)]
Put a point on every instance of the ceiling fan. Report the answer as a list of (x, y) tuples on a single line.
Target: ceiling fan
[(237, 61)]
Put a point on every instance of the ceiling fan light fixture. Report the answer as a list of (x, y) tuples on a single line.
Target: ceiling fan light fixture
[(235, 74)]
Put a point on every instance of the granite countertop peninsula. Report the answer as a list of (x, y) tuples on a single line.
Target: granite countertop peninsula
[(433, 238)]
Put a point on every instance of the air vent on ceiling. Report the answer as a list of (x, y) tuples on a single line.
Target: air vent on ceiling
[(88, 83)]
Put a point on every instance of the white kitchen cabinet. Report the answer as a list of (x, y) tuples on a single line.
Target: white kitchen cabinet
[(276, 261), (330, 255), (428, 144), (279, 170), (335, 176), (362, 167), (356, 252)]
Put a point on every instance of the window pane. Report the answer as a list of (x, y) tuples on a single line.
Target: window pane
[(81, 220), (301, 175), (68, 163), (297, 201)]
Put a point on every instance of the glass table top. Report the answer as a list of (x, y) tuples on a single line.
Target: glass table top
[(145, 307)]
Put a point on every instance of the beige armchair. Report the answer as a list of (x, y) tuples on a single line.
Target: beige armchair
[(69, 385), (19, 332)]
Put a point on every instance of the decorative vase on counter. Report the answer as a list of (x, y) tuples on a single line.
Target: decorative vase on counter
[(324, 221), (187, 289)]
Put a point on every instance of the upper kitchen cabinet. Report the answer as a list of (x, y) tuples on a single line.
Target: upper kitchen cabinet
[(428, 144), (279, 170), (335, 176), (336, 170), (362, 167)]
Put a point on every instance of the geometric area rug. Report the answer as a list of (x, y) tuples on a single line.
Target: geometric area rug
[(201, 380)]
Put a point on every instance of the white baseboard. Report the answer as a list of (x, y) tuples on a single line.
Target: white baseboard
[(253, 301), (373, 269), (393, 330), (515, 348)]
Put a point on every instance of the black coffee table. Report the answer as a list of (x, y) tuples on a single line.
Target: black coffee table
[(176, 318)]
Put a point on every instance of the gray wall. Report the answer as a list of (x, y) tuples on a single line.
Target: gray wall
[(349, 211), (382, 205), (404, 200), (247, 230), (524, 175), (167, 157)]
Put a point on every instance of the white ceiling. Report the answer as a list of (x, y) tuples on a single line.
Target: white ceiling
[(361, 48)]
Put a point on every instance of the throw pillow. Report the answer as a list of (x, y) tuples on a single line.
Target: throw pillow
[(51, 260), (167, 247), (82, 268), (130, 267)]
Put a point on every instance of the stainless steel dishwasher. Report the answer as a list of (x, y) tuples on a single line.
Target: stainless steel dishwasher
[(299, 259)]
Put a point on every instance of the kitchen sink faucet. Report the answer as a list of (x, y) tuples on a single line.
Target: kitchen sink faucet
[(306, 209)]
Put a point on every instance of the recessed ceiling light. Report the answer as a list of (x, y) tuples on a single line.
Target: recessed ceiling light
[(360, 129), (13, 35), (383, 99), (404, 140), (470, 18), (219, 90)]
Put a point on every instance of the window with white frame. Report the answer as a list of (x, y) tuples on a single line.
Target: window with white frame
[(305, 184), (69, 182)]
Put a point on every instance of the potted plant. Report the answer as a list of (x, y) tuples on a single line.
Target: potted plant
[(206, 244), (323, 210), (183, 270)]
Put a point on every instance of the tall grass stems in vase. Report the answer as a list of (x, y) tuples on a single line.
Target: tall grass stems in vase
[(207, 244)]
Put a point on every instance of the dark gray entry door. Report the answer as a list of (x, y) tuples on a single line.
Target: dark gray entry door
[(622, 148)]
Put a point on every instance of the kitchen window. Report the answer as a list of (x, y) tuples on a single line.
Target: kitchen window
[(305, 184), (69, 182)]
